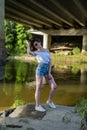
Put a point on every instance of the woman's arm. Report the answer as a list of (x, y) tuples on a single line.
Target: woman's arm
[(28, 48)]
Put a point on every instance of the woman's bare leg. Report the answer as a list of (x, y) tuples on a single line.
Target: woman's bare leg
[(39, 80), (53, 87)]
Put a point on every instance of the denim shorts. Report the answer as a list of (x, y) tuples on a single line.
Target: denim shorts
[(42, 69)]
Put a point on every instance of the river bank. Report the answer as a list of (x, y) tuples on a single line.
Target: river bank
[(26, 118), (78, 58)]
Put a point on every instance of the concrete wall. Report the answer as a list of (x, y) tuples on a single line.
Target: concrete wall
[(1, 29), (84, 47), (47, 34)]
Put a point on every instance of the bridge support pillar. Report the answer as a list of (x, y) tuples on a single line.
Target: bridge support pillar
[(84, 43), (46, 41), (83, 77), (2, 42)]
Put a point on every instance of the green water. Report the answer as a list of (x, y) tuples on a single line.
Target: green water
[(17, 84)]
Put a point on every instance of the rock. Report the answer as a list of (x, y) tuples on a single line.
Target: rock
[(3, 127), (67, 117), (6, 113), (24, 121), (30, 129), (27, 110), (61, 118), (83, 124), (14, 126)]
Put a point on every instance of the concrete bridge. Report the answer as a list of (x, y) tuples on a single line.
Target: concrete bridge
[(47, 18)]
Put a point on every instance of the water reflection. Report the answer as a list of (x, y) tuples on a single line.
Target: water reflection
[(19, 72), (17, 84), (2, 72), (83, 77)]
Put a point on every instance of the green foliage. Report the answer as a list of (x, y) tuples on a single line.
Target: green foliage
[(15, 35), (10, 34), (75, 70), (81, 106), (22, 34), (75, 51)]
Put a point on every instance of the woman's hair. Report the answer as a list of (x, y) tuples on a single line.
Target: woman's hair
[(32, 43)]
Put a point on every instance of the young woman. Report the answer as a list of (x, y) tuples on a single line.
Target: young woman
[(43, 70)]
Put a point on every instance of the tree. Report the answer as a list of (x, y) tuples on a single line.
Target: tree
[(10, 35), (15, 35)]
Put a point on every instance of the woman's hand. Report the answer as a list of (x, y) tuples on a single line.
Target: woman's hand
[(49, 77), (27, 42)]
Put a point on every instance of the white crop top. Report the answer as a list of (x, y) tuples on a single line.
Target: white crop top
[(42, 57)]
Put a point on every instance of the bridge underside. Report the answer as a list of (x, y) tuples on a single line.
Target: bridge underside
[(48, 14), (52, 17), (49, 17)]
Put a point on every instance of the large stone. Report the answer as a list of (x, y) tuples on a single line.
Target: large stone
[(67, 117), (51, 121), (27, 110), (84, 122)]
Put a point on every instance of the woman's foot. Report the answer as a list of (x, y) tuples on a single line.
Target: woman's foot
[(39, 108), (51, 104)]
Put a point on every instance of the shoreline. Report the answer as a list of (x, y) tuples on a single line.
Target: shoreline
[(74, 59)]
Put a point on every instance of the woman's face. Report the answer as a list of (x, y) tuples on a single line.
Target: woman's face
[(37, 44)]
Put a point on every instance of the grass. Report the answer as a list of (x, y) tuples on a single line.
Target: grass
[(81, 107), (80, 58)]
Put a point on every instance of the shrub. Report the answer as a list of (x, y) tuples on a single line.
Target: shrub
[(75, 70), (76, 51), (81, 106)]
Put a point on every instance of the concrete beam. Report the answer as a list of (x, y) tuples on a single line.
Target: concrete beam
[(31, 11), (25, 16), (64, 13), (66, 32), (84, 44), (51, 14), (46, 41), (21, 20), (47, 11), (74, 11), (81, 7)]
